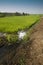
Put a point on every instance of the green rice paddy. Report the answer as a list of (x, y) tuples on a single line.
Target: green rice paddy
[(15, 23)]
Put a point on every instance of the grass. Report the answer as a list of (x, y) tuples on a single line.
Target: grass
[(15, 23), (11, 38)]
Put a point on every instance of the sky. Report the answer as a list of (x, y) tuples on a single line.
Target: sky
[(27, 6)]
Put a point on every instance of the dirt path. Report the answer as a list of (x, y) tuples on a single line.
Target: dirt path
[(36, 47)]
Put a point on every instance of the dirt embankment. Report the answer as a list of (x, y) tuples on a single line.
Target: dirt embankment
[(30, 53)]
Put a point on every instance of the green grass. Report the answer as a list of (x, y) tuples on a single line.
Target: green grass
[(14, 23)]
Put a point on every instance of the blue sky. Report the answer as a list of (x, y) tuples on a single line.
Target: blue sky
[(28, 6)]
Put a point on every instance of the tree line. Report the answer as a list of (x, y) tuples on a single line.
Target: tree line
[(13, 14)]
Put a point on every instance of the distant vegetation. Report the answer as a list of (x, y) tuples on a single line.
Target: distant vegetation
[(12, 14)]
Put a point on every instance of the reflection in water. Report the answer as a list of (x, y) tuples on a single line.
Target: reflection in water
[(21, 34)]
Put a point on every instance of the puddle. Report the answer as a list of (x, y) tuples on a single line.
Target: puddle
[(21, 34)]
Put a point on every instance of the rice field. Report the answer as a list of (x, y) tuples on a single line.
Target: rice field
[(15, 23)]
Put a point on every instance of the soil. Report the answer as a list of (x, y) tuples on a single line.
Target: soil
[(28, 53)]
